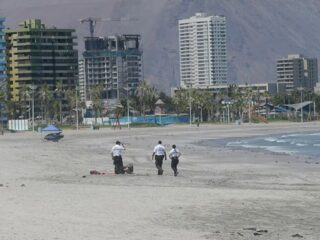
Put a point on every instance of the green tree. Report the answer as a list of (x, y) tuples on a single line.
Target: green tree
[(147, 96), (181, 100), (23, 100), (45, 97), (97, 102), (59, 96)]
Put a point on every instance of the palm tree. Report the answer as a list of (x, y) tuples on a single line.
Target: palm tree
[(147, 96), (152, 96), (141, 92), (45, 97), (97, 103), (24, 99), (181, 100), (60, 95), (2, 105)]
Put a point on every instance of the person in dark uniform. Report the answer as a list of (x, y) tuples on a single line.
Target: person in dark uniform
[(174, 155), (159, 153), (116, 153)]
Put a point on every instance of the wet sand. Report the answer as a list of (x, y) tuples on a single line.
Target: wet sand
[(46, 190)]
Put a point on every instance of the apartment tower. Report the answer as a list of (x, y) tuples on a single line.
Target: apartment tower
[(203, 51), (297, 71), (2, 55), (37, 55)]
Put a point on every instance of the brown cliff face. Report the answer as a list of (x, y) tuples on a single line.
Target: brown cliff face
[(259, 31)]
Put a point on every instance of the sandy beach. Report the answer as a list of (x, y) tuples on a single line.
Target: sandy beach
[(46, 190)]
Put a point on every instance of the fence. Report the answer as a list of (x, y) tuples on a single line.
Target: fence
[(149, 119), (155, 119), (18, 125)]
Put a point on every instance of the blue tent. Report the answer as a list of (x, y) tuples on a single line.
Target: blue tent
[(51, 128)]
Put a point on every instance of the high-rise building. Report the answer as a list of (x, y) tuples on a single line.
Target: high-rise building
[(297, 71), (37, 55), (2, 55), (115, 62), (82, 82), (203, 50), (3, 85)]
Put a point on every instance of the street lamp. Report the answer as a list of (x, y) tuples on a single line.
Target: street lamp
[(60, 93), (77, 117), (190, 105), (227, 103), (301, 90), (128, 107), (32, 88)]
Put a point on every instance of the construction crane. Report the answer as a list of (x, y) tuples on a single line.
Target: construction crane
[(93, 22)]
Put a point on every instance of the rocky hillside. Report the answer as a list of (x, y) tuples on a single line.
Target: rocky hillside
[(259, 31)]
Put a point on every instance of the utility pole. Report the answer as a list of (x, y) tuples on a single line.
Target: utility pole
[(128, 107), (301, 109), (190, 105), (301, 89), (33, 88), (77, 117), (228, 105), (250, 111)]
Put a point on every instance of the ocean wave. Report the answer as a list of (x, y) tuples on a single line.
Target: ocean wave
[(271, 139), (275, 149), (305, 144), (232, 144), (314, 134), (292, 135), (301, 144)]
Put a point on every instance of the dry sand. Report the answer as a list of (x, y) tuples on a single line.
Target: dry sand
[(220, 193)]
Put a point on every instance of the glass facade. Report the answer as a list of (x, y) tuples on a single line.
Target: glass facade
[(2, 52)]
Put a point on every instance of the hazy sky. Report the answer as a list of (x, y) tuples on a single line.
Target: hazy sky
[(259, 31)]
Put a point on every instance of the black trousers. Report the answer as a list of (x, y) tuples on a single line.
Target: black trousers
[(118, 165), (174, 165), (159, 161)]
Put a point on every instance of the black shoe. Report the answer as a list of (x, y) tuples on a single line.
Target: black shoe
[(176, 174)]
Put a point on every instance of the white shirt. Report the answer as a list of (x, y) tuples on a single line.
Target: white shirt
[(159, 150), (174, 153), (117, 150)]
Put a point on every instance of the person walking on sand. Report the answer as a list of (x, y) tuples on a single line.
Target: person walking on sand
[(174, 155), (159, 153), (116, 154)]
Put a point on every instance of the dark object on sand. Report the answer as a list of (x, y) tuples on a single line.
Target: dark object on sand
[(95, 172), (250, 229), (257, 234), (128, 169), (297, 235), (54, 137), (95, 127)]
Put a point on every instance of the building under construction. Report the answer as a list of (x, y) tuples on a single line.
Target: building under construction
[(114, 62)]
